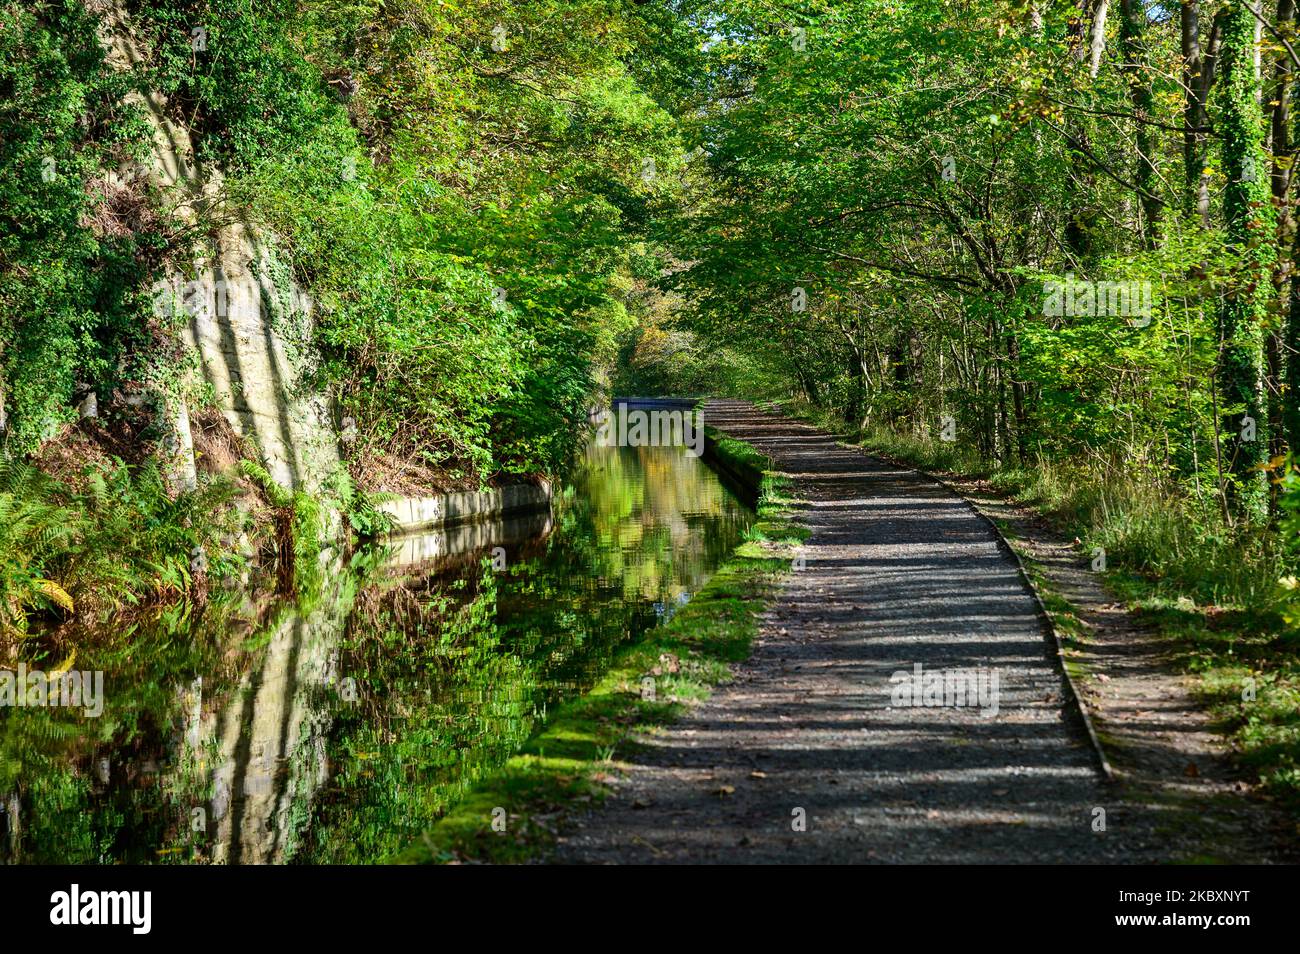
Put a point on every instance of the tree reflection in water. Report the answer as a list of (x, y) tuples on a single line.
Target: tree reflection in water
[(337, 730)]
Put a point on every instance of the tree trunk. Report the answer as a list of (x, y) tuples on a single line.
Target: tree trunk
[(1198, 71), (1248, 215), (1133, 29), (1018, 390), (857, 388), (1282, 416), (1097, 36)]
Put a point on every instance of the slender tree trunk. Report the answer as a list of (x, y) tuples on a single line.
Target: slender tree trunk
[(809, 385), (1282, 416), (1133, 45), (1018, 390), (1097, 36), (857, 387), (900, 362), (4, 419), (1284, 350), (1076, 234), (1198, 67), (1248, 215)]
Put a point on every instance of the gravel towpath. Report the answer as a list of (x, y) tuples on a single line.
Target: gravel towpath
[(900, 572)]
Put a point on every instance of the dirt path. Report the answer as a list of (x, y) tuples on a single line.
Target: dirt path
[(899, 571)]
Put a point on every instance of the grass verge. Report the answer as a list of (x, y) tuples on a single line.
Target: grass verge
[(514, 814)]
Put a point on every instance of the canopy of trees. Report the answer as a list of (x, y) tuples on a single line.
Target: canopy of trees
[(1052, 241)]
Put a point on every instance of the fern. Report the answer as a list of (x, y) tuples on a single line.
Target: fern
[(123, 539), (34, 532)]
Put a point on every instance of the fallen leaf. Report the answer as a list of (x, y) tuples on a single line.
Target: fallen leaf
[(67, 663), (55, 593)]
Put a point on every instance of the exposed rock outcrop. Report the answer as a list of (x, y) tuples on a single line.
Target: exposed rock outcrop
[(248, 322)]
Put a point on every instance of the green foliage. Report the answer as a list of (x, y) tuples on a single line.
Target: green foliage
[(70, 303), (413, 170), (233, 70), (306, 525), (121, 540), (361, 509), (33, 531), (916, 176), (676, 362)]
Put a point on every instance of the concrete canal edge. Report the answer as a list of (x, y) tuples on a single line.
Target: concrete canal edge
[(413, 514), (742, 472)]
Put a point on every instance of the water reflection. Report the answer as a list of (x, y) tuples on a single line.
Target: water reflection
[(337, 731)]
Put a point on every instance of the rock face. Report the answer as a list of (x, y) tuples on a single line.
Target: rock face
[(253, 342), (248, 322)]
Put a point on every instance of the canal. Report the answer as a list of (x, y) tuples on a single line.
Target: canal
[(337, 728)]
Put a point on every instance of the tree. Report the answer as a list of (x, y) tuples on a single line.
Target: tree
[(1250, 223)]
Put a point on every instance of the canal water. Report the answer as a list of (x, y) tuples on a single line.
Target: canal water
[(337, 728)]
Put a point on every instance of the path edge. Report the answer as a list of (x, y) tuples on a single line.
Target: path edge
[(1099, 751)]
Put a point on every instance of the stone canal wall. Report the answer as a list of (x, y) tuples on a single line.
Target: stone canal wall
[(424, 513)]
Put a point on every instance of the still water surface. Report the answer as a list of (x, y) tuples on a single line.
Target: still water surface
[(336, 730)]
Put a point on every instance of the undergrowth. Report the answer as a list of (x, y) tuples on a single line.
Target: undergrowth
[(121, 541)]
